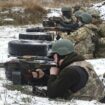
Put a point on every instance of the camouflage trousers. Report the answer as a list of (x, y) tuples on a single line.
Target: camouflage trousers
[(100, 51)]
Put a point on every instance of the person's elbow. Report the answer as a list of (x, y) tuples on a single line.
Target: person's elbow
[(51, 94)]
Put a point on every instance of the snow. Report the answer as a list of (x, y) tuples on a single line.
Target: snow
[(99, 65), (16, 97), (8, 19), (17, 9), (8, 33), (101, 8), (54, 12)]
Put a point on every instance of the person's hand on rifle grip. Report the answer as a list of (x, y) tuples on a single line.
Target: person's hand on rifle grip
[(38, 73), (51, 18), (54, 70)]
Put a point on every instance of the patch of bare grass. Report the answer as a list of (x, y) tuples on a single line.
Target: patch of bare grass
[(8, 4), (53, 3), (33, 13), (33, 9)]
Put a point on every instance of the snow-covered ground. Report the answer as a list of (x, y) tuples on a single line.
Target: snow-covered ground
[(15, 97), (101, 8), (56, 12), (8, 33)]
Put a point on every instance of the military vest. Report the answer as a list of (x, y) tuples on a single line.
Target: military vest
[(94, 88)]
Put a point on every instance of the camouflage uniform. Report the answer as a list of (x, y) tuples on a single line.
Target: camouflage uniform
[(102, 29), (95, 15), (94, 88), (100, 51), (82, 39), (96, 19)]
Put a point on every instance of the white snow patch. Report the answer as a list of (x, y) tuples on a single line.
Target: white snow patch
[(54, 12), (17, 9), (8, 19), (101, 8), (99, 65)]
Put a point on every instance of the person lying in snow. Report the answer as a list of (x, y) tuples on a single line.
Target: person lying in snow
[(73, 77)]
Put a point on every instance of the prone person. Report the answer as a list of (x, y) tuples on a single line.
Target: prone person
[(73, 77)]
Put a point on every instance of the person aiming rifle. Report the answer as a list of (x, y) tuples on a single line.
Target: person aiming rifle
[(66, 23), (73, 77), (27, 66)]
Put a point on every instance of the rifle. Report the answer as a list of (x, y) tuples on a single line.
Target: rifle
[(24, 63), (44, 29), (23, 67), (33, 65), (55, 19), (59, 26)]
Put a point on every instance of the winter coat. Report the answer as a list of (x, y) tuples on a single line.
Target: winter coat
[(77, 79)]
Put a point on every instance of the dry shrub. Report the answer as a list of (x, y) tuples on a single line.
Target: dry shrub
[(8, 4), (33, 8), (60, 3), (33, 12), (54, 3)]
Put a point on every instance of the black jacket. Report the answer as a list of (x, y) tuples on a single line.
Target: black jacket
[(70, 78)]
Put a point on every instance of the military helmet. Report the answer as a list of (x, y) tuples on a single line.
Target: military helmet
[(62, 47), (66, 9), (78, 13), (102, 30), (85, 18)]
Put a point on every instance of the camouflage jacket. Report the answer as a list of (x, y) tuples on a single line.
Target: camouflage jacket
[(82, 39), (102, 29), (68, 20), (94, 89), (100, 51)]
